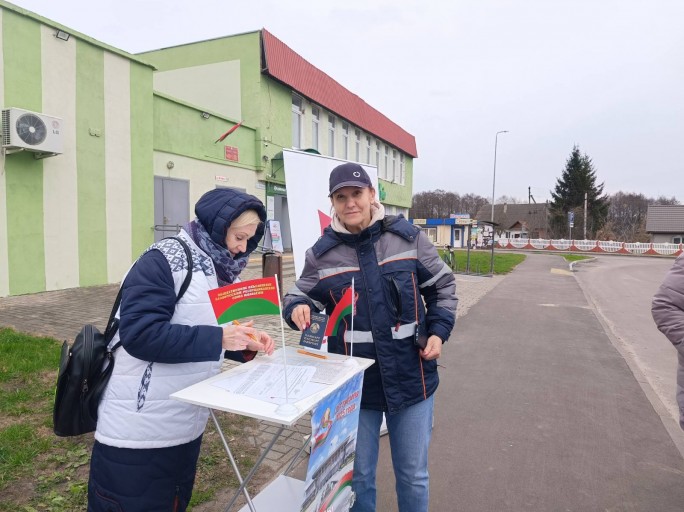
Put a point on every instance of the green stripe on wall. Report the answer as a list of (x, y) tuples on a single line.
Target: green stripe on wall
[(24, 174), (142, 179), (90, 162)]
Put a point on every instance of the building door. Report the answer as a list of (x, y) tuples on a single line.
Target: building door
[(171, 206)]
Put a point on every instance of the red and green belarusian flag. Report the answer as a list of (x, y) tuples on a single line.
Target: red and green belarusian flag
[(248, 298), (343, 308)]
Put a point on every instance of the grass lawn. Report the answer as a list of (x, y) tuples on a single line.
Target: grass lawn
[(480, 261), (42, 472), (575, 257)]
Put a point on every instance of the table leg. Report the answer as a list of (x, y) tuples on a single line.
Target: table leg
[(298, 454), (243, 487), (256, 466)]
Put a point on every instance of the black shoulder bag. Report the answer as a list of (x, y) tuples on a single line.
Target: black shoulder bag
[(86, 366)]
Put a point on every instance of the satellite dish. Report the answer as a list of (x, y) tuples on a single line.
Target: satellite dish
[(31, 129)]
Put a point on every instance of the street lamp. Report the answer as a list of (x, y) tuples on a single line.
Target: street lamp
[(496, 140)]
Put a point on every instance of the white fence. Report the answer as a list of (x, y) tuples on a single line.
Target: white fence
[(595, 246)]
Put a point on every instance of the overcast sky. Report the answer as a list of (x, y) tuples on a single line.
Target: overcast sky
[(606, 75)]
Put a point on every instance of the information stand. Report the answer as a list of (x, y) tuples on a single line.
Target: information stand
[(284, 493)]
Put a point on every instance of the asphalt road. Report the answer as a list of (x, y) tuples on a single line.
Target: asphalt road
[(545, 402)]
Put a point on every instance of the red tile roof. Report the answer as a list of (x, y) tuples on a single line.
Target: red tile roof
[(283, 64)]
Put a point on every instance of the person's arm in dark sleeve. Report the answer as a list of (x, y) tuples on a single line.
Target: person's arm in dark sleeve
[(147, 305), (438, 288), (300, 292)]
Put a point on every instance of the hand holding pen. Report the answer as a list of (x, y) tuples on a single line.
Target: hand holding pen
[(238, 337)]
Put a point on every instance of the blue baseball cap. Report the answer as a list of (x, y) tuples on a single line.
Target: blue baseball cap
[(349, 175)]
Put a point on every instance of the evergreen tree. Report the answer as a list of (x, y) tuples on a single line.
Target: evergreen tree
[(578, 178)]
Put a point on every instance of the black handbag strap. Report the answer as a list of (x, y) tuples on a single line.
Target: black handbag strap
[(113, 322)]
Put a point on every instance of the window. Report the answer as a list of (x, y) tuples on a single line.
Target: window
[(402, 172), (395, 174), (315, 119), (331, 135), (368, 149), (431, 233), (297, 112), (377, 156), (357, 145), (345, 141), (677, 239), (385, 166)]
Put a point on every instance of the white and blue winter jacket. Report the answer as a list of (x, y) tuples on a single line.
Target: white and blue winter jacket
[(166, 346)]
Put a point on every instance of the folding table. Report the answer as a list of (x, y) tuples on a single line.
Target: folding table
[(284, 493)]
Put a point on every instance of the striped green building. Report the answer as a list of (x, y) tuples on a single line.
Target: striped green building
[(139, 143)]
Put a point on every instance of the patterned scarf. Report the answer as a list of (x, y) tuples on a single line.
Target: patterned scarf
[(227, 268)]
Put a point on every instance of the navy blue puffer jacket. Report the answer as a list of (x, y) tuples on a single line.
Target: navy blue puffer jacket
[(402, 288)]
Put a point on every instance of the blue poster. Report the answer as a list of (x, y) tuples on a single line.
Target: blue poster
[(334, 423)]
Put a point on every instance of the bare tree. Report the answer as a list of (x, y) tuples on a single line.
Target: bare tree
[(665, 200), (508, 200), (439, 204), (627, 215), (471, 204)]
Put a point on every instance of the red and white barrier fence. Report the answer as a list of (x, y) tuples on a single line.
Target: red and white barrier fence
[(596, 246)]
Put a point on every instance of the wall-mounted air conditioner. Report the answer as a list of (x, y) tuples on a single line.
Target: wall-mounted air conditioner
[(31, 131)]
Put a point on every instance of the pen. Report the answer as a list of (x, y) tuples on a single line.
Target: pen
[(307, 353), (235, 322)]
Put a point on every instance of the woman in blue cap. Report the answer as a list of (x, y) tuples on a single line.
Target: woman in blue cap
[(146, 444), (405, 305)]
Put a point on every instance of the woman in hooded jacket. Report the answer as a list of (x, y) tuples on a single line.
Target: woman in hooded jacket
[(146, 444)]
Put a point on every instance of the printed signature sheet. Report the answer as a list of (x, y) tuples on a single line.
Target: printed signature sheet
[(305, 376)]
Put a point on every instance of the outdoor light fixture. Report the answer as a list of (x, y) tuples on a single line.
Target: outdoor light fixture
[(205, 115), (64, 36)]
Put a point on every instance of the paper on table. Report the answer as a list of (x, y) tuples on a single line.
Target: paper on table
[(327, 372), (267, 382)]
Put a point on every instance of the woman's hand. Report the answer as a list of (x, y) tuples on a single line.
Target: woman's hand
[(246, 337), (433, 349), (265, 343), (301, 316)]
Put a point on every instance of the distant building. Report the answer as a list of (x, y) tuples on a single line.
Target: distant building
[(517, 220), (665, 223), (453, 231)]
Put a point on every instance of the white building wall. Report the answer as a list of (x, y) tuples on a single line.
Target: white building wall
[(215, 87), (60, 190), (204, 176)]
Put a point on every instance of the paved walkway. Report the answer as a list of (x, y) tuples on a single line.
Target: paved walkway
[(60, 314), (537, 411)]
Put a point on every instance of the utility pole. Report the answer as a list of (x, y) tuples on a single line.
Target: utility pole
[(585, 215), (496, 140)]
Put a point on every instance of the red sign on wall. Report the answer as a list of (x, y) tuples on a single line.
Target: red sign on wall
[(232, 153)]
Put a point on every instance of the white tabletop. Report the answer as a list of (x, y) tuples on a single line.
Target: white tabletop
[(206, 394)]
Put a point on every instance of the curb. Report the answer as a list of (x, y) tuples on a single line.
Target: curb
[(571, 265)]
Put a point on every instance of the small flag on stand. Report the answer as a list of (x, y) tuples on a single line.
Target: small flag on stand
[(245, 299), (343, 308)]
